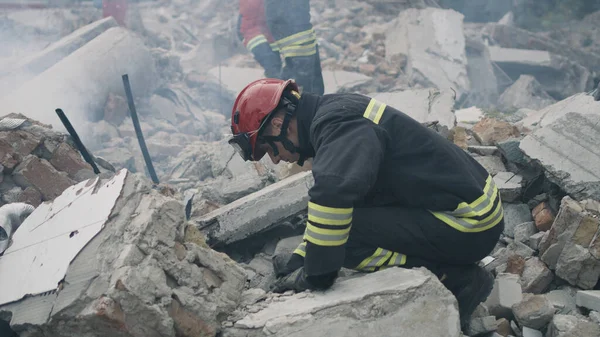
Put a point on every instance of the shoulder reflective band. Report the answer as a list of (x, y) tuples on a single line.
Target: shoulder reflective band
[(374, 111)]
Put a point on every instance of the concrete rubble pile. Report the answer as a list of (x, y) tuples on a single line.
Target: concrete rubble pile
[(37, 163)]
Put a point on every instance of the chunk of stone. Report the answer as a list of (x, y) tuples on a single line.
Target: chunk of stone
[(535, 239), (257, 211), (492, 164), (520, 249), (515, 265), (565, 149), (524, 231), (581, 103), (526, 92), (509, 186), (506, 293), (66, 159), (529, 332), (490, 131), (128, 275), (468, 116), (262, 274), (543, 216), (503, 327), (567, 326), (511, 152), (433, 41), (578, 267), (41, 175), (589, 299), (423, 105), (563, 300), (251, 296), (15, 145), (483, 150), (380, 301), (536, 276), (534, 311), (484, 84), (482, 325)]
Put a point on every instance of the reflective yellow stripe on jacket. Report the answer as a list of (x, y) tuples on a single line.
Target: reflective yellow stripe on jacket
[(381, 259), (480, 215), (255, 41), (328, 226), (300, 44)]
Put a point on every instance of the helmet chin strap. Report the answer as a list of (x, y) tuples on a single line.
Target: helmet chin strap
[(282, 137)]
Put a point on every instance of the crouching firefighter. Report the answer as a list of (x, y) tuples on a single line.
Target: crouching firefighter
[(388, 191)]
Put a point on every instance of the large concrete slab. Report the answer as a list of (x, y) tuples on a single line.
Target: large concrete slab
[(581, 103), (394, 302), (236, 78), (36, 63), (568, 150), (434, 42), (423, 105), (558, 76), (257, 211), (81, 82)]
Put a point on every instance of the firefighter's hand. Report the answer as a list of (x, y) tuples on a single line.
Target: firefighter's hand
[(295, 281)]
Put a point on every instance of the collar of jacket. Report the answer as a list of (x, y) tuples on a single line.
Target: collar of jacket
[(305, 112)]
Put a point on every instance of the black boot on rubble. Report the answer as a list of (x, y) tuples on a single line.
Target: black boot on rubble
[(471, 285)]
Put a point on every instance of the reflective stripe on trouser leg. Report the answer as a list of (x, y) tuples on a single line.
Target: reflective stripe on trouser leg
[(369, 260)]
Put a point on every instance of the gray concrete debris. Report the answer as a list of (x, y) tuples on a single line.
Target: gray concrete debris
[(258, 211), (595, 317), (515, 328), (581, 103), (536, 277), (535, 239), (511, 152), (568, 151), (558, 76), (515, 214), (260, 272), (506, 293), (482, 325), (529, 332), (381, 301), (483, 150), (534, 311), (524, 231), (563, 300), (137, 277), (520, 249), (92, 72), (434, 43), (588, 299), (235, 79), (492, 164), (484, 84), (252, 296), (526, 92), (509, 186), (571, 326), (36, 63), (423, 105)]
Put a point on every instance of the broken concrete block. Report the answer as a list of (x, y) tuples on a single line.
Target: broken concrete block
[(511, 152), (567, 326), (14, 146), (563, 300), (589, 299), (492, 164), (526, 92), (521, 249), (490, 131), (535, 239), (66, 159), (389, 299), (468, 116), (423, 105), (515, 265), (257, 211), (483, 150), (536, 276), (529, 332), (261, 273), (433, 41), (509, 186), (235, 79), (503, 327), (515, 214), (87, 76), (484, 84), (524, 231), (580, 103), (595, 317), (41, 175), (36, 63), (534, 311), (569, 160), (578, 267), (482, 325), (506, 293), (558, 76), (543, 216), (124, 267)]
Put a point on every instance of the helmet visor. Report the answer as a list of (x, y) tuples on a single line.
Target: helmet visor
[(241, 144)]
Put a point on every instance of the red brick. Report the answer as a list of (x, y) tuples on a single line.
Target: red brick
[(68, 160), (543, 217), (41, 175), (16, 145)]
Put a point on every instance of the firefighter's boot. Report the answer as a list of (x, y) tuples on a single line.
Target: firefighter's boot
[(471, 285)]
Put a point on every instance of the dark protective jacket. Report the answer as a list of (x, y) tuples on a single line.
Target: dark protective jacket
[(367, 154), (257, 37)]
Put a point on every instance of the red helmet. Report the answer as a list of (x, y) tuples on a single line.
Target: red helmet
[(253, 104)]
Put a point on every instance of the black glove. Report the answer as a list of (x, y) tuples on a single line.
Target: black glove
[(295, 281)]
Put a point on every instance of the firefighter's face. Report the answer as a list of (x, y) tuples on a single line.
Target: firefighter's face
[(292, 134)]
